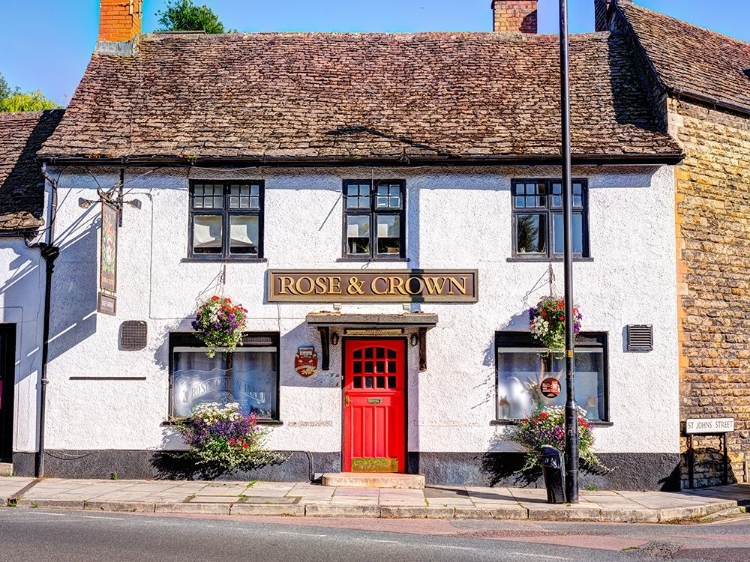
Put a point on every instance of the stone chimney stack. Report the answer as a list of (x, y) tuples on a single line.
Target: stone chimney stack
[(119, 20), (517, 16)]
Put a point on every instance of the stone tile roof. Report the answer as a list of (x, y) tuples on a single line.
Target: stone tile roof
[(348, 97), (691, 58), (21, 180)]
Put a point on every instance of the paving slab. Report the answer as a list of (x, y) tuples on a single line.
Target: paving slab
[(303, 498)]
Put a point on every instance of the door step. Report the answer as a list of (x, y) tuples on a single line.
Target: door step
[(374, 480), (6, 469)]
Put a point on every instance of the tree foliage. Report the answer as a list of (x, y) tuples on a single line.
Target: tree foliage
[(26, 101), (4, 88), (15, 100), (183, 15)]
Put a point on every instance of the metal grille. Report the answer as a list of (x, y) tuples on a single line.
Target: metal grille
[(640, 337), (256, 341), (133, 335)]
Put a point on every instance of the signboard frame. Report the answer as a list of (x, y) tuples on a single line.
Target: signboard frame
[(373, 285)]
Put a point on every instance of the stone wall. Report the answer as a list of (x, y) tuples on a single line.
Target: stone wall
[(713, 255)]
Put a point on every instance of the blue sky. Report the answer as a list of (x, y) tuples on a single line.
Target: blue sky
[(46, 44)]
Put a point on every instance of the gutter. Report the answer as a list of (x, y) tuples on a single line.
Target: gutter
[(681, 93), (404, 161)]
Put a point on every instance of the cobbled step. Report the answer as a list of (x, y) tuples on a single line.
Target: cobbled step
[(374, 480)]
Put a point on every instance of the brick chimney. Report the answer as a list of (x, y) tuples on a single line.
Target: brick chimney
[(514, 15), (119, 20)]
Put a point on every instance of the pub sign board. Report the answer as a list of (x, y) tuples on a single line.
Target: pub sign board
[(108, 256), (372, 286)]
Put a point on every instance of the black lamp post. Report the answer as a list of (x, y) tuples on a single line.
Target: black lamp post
[(571, 411)]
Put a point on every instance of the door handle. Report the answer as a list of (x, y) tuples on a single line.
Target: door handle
[(346, 400)]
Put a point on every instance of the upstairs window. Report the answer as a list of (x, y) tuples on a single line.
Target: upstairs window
[(538, 219), (226, 220), (374, 216)]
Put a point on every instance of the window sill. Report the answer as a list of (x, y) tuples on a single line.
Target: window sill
[(176, 421), (516, 422), (371, 260), (545, 259), (223, 260)]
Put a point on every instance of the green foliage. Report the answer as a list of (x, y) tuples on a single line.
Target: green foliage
[(547, 427), (31, 101), (183, 15), (4, 88)]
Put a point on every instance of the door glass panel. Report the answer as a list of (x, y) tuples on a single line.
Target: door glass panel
[(368, 382)]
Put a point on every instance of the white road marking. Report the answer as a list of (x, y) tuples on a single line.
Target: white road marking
[(387, 542), (299, 534), (103, 517), (539, 556)]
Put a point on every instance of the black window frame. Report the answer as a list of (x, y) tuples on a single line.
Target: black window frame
[(505, 339), (549, 211), (226, 212), (373, 213), (188, 339)]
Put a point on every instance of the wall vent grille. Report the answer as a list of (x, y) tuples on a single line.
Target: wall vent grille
[(640, 337), (133, 335)]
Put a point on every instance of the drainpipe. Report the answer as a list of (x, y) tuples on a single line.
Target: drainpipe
[(50, 253)]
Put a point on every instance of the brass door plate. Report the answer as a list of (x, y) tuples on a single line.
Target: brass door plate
[(364, 464)]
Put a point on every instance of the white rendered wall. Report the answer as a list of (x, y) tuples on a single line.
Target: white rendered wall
[(22, 304), (458, 218)]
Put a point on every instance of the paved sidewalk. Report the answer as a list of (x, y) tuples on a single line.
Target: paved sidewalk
[(302, 499)]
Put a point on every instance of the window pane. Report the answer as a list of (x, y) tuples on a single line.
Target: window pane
[(207, 234), (240, 197), (358, 234), (388, 196), (208, 196), (358, 196), (557, 195), (535, 195), (531, 234), (389, 234), (243, 234), (521, 371), (559, 237), (577, 195), (248, 377)]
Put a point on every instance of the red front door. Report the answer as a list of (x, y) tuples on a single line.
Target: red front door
[(374, 405)]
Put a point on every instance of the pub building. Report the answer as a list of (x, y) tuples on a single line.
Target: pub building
[(388, 208)]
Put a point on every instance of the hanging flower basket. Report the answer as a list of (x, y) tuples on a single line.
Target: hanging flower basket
[(547, 427), (547, 322), (220, 324), (224, 438)]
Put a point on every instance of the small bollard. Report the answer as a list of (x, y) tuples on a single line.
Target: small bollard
[(553, 468)]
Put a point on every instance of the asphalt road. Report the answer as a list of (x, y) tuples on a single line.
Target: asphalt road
[(31, 534)]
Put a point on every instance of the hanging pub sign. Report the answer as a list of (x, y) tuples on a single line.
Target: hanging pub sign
[(391, 285), (550, 387), (108, 258), (306, 361)]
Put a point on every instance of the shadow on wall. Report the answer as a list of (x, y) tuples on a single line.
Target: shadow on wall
[(708, 467), (74, 287), (23, 288)]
